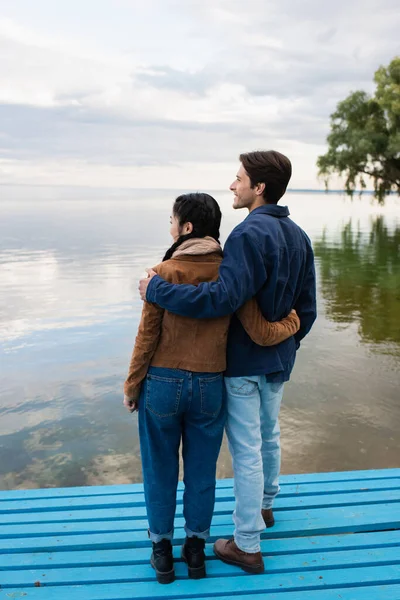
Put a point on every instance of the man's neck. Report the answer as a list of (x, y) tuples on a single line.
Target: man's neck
[(257, 204)]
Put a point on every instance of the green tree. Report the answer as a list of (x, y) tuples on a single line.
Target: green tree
[(365, 137)]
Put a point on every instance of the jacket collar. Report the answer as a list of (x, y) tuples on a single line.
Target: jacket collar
[(271, 209), (198, 247)]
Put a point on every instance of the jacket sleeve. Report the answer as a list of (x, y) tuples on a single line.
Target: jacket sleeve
[(145, 345), (263, 332), (241, 274), (306, 304)]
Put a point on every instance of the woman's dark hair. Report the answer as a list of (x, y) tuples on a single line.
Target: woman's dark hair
[(269, 167), (200, 209)]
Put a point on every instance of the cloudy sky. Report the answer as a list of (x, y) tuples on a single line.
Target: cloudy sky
[(167, 93)]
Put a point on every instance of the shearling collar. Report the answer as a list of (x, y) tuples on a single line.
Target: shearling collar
[(198, 246)]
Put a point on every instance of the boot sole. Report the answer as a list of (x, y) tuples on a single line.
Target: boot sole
[(247, 568), (194, 572), (164, 576)]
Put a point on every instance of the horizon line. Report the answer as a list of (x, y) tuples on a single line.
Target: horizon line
[(89, 187)]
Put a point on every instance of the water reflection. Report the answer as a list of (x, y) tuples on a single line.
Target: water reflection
[(69, 309), (79, 435), (360, 281)]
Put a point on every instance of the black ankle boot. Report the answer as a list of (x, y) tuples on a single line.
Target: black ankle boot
[(162, 561), (193, 555)]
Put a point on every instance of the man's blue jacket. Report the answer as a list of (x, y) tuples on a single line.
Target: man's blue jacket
[(267, 256)]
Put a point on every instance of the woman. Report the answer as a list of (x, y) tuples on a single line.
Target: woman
[(181, 363)]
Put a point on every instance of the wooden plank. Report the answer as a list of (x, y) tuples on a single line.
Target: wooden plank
[(223, 493), (314, 478), (122, 501), (341, 487), (338, 519), (383, 592), (107, 512), (275, 547), (133, 571), (299, 523), (107, 494), (362, 475), (184, 588)]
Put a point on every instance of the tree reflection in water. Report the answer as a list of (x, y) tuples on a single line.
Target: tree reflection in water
[(360, 281)]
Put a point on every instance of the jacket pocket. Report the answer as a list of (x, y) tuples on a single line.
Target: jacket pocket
[(163, 395), (211, 394)]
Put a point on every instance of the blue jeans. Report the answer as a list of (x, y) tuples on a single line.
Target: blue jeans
[(175, 405), (253, 433)]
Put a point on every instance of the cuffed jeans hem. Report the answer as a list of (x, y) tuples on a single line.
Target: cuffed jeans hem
[(203, 535), (268, 502), (268, 499), (157, 537), (245, 547)]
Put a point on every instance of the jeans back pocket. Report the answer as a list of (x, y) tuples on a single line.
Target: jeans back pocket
[(163, 395), (211, 394), (242, 386)]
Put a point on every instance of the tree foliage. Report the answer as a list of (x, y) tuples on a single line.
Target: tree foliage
[(365, 137)]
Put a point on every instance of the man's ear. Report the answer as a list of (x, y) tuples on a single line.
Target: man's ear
[(260, 187)]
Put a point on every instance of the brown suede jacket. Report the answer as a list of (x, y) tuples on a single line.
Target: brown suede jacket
[(171, 341)]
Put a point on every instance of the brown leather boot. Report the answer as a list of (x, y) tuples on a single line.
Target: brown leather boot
[(268, 517), (228, 552)]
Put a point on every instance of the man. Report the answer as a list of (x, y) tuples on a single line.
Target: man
[(267, 256)]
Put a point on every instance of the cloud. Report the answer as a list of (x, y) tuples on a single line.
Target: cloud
[(192, 83), (177, 83)]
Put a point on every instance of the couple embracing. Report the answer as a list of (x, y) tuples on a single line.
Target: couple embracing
[(216, 342)]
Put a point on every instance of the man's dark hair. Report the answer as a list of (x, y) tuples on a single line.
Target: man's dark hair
[(269, 167)]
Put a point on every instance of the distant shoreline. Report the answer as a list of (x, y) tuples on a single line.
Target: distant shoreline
[(174, 190)]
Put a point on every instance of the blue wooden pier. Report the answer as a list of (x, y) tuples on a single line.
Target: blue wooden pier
[(337, 537)]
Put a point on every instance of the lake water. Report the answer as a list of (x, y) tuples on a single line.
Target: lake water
[(69, 309)]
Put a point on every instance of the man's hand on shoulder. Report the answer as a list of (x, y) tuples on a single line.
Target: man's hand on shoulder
[(144, 282)]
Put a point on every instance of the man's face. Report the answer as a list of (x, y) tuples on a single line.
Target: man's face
[(244, 195)]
